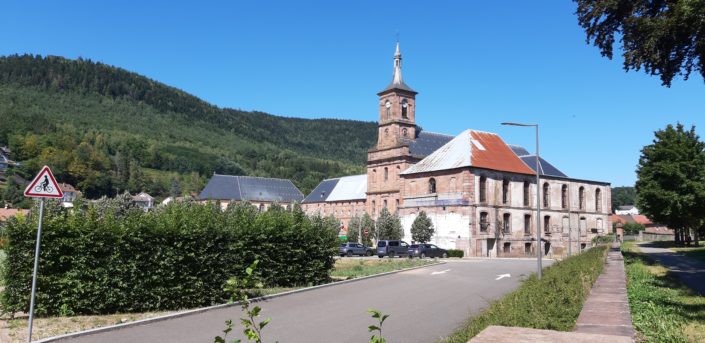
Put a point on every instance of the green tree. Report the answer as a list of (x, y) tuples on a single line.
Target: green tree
[(633, 228), (670, 182), (422, 229), (360, 223), (622, 196), (175, 190), (665, 38), (389, 226)]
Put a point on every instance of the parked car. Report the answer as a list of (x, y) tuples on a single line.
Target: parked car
[(392, 248), (426, 250), (350, 249)]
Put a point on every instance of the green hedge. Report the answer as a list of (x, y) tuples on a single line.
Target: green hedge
[(455, 253), (100, 260), (552, 303)]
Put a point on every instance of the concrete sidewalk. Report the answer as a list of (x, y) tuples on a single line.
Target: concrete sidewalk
[(606, 310), (605, 316), (688, 270)]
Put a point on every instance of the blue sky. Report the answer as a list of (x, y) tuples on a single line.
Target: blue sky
[(474, 64)]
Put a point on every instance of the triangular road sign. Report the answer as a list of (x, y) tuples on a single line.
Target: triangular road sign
[(44, 185)]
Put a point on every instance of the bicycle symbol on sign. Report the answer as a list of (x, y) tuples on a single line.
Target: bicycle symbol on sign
[(44, 186)]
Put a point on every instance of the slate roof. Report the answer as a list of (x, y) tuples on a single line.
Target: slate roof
[(426, 143), (339, 189), (547, 169), (472, 148), (250, 188), (401, 85), (519, 150)]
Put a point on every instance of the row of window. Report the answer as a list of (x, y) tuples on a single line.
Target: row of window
[(507, 247), (404, 109), (385, 173), (384, 205), (506, 223)]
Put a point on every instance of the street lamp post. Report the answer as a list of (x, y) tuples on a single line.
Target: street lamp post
[(539, 250)]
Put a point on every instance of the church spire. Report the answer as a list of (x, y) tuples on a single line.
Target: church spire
[(397, 81)]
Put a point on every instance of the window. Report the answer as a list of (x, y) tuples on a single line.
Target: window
[(484, 222), (566, 225), (386, 174), (527, 224), (547, 224), (546, 194), (451, 185), (386, 132), (598, 200), (527, 248), (388, 111), (261, 207), (526, 193), (432, 185), (583, 225), (404, 132), (507, 248), (404, 108), (483, 189), (599, 225), (374, 208), (374, 175), (397, 203), (384, 203), (583, 246), (505, 191), (564, 196), (581, 198), (506, 224)]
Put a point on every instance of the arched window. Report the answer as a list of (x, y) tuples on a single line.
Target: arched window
[(483, 189), (385, 203), (526, 193), (484, 222), (432, 185), (388, 109), (546, 195), (386, 132), (564, 196), (404, 108), (505, 191), (507, 223), (598, 200), (547, 224), (374, 175), (581, 198), (404, 132), (386, 174), (374, 208)]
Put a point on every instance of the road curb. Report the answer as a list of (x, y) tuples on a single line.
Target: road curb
[(216, 307)]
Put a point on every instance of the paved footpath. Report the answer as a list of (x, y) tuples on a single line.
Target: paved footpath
[(606, 310), (689, 270), (605, 317)]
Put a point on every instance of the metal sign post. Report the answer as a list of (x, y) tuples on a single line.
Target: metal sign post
[(43, 186), (36, 267)]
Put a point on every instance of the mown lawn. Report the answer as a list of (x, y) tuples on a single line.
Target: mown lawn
[(554, 302), (355, 268), (663, 310)]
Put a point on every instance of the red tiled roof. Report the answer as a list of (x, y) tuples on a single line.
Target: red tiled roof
[(6, 213), (642, 219), (65, 187), (497, 155)]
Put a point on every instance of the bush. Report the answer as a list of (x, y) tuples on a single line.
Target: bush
[(606, 239), (455, 253), (553, 302), (96, 262)]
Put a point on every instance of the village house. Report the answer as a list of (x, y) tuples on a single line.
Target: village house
[(143, 200), (479, 191), (261, 192)]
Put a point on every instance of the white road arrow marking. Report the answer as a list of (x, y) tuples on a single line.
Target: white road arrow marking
[(502, 276), (441, 272)]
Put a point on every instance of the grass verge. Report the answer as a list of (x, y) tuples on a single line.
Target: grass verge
[(663, 309), (691, 251), (355, 268), (552, 303)]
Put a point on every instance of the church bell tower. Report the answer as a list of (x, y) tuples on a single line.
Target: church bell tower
[(397, 109)]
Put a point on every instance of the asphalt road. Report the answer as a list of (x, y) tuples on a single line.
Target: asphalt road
[(425, 304), (689, 270)]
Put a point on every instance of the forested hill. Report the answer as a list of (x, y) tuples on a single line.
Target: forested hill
[(105, 129)]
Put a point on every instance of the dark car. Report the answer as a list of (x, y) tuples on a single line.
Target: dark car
[(426, 250), (350, 249), (392, 248)]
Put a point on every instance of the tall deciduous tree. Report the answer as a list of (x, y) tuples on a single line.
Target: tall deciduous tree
[(389, 226), (671, 179), (422, 229), (358, 224), (666, 38)]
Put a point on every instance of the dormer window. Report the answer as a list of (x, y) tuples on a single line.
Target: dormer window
[(404, 108)]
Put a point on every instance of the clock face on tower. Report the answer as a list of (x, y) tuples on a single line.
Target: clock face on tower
[(388, 104)]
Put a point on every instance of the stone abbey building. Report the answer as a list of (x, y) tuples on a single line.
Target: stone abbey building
[(479, 191)]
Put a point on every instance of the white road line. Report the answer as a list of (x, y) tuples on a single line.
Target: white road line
[(441, 272), (502, 276)]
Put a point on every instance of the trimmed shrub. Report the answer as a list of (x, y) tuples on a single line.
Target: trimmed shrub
[(455, 253), (97, 261)]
